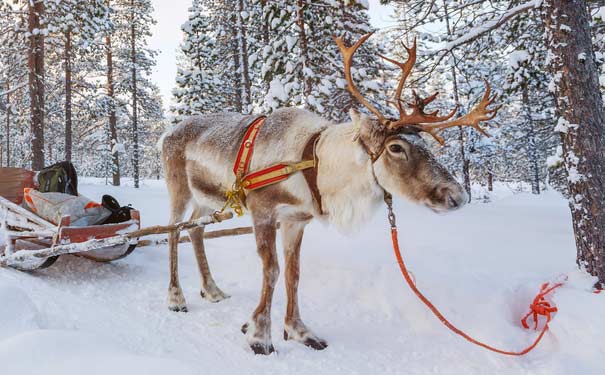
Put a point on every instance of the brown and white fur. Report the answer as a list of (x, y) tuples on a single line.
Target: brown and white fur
[(198, 156)]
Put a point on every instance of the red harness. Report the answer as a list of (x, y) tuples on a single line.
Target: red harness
[(244, 180)]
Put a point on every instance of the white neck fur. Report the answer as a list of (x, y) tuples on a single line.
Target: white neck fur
[(350, 194)]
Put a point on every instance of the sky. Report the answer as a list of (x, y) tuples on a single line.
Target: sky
[(171, 14)]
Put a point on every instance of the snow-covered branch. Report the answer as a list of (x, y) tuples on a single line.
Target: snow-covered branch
[(492, 24), (13, 89)]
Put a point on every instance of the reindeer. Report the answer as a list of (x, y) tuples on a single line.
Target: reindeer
[(357, 162)]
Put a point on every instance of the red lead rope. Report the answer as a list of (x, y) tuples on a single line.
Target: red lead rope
[(539, 306)]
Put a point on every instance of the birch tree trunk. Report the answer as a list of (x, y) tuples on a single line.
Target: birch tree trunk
[(35, 64), (580, 111)]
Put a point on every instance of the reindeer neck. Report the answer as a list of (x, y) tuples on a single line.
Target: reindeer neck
[(350, 194)]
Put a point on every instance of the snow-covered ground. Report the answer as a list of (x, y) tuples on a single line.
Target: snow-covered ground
[(480, 265)]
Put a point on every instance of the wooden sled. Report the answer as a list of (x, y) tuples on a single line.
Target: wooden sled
[(32, 243)]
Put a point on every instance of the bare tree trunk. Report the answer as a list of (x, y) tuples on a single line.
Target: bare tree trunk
[(490, 181), (532, 148), (580, 108), (304, 51), (35, 64), (8, 126), (135, 130), (464, 160), (243, 45), (113, 133), (68, 130)]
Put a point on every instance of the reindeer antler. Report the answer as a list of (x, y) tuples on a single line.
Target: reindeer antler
[(430, 123), (406, 69), (478, 114), (347, 58)]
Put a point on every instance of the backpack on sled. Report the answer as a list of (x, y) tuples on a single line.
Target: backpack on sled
[(119, 214), (58, 178)]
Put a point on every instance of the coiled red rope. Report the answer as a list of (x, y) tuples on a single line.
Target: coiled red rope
[(539, 307)]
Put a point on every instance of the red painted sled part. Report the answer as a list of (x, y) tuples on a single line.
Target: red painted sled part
[(24, 230)]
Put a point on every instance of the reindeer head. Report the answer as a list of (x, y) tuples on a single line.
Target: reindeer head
[(402, 163)]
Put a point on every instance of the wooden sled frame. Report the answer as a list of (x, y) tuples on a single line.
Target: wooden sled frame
[(33, 243), (26, 231)]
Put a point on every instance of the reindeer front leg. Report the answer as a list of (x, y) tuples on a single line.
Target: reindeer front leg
[(258, 329), (209, 291), (295, 329)]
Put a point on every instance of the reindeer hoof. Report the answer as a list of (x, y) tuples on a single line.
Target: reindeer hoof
[(176, 301), (315, 343), (311, 341), (260, 348), (177, 308), (213, 294)]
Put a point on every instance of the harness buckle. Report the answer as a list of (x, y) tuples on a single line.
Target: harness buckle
[(233, 199)]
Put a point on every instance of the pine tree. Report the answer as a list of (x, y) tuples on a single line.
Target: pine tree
[(74, 27), (231, 24), (300, 63), (133, 22), (274, 56), (110, 107), (581, 119), (527, 81), (198, 82), (36, 73)]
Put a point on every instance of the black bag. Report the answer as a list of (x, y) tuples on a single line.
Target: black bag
[(118, 214), (58, 178)]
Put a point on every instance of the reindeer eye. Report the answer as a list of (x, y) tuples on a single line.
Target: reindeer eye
[(399, 151), (396, 149)]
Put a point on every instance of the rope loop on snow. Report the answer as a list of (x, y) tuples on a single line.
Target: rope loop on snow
[(539, 307)]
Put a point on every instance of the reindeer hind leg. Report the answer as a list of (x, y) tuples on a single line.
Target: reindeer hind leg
[(180, 195)]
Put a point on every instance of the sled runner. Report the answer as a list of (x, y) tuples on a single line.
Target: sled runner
[(29, 242)]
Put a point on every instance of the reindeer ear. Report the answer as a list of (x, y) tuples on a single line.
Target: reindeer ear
[(372, 135)]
